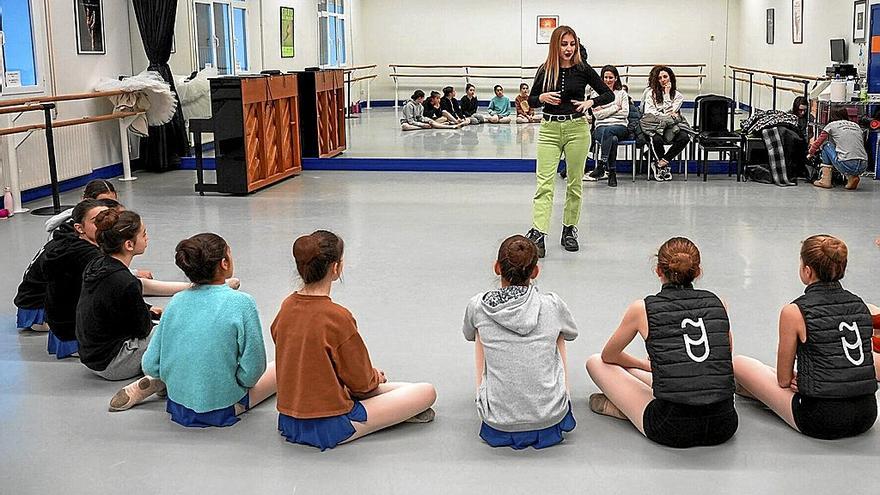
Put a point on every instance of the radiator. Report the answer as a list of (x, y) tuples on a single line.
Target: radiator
[(73, 155)]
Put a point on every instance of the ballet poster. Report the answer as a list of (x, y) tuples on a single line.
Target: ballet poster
[(546, 25)]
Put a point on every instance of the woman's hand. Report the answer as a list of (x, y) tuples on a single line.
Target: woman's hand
[(552, 98), (582, 106), (145, 274), (156, 312), (382, 378), (793, 386)]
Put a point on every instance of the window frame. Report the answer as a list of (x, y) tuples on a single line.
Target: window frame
[(232, 5), (337, 16), (38, 35)]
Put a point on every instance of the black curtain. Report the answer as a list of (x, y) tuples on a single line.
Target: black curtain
[(165, 145)]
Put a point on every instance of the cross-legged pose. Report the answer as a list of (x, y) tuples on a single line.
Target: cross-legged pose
[(829, 393), (328, 390), (519, 334), (682, 396)]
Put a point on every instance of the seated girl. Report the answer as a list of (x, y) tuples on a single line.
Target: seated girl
[(519, 333), (414, 115), (470, 105), (829, 392), (611, 122), (95, 189), (61, 266), (451, 109), (328, 390), (682, 395), (661, 102), (499, 107), (524, 113), (113, 323), (208, 347), (842, 146)]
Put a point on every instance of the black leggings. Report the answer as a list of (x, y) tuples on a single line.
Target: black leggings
[(679, 142)]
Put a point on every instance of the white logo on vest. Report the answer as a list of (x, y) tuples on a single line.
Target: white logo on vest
[(854, 328), (703, 340)]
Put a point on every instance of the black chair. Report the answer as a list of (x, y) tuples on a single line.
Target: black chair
[(713, 131)]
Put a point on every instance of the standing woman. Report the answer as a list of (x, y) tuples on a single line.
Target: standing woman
[(560, 87)]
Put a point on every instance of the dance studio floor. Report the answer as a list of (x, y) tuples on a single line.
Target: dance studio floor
[(418, 246)]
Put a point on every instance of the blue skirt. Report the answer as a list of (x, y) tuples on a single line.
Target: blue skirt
[(538, 439), (324, 433), (26, 318), (185, 416), (61, 348)]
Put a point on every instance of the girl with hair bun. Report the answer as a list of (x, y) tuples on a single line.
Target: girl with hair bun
[(328, 390), (519, 335), (208, 348), (682, 395), (825, 379), (113, 323)]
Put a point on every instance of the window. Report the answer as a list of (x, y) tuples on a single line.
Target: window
[(20, 68), (221, 35), (331, 28)]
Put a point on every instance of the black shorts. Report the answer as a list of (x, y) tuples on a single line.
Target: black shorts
[(830, 419), (682, 426)]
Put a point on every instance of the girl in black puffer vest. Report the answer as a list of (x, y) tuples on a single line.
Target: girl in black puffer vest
[(682, 395), (830, 393)]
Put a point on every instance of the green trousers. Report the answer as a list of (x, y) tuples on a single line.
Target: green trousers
[(554, 138)]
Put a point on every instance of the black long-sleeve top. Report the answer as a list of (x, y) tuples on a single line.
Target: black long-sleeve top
[(571, 85), (468, 106), (451, 105)]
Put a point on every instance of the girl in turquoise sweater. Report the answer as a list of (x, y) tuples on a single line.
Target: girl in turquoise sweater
[(208, 347), (499, 107)]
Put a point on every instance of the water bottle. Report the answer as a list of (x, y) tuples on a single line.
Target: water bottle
[(8, 203)]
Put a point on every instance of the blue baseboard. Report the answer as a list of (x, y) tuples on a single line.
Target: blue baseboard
[(107, 172), (440, 165)]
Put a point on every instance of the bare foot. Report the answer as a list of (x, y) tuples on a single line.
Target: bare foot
[(233, 283)]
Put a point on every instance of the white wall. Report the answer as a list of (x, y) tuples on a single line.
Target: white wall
[(823, 20), (614, 31), (74, 73)]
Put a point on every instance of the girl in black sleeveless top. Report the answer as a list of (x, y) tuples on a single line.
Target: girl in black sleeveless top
[(830, 394), (682, 395)]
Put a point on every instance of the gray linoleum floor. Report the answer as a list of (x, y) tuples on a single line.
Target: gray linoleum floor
[(418, 245)]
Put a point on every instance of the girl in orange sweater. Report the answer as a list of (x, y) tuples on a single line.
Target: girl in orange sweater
[(328, 390)]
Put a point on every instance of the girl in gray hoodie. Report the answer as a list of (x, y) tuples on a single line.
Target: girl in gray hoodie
[(520, 333)]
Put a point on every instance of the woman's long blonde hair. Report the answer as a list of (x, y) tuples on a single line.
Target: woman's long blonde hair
[(551, 65)]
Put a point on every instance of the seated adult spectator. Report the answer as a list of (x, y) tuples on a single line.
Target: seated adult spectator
[(450, 108), (842, 145), (499, 107), (661, 104), (524, 113), (611, 122), (470, 104), (801, 108)]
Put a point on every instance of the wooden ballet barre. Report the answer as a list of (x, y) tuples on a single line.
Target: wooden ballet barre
[(67, 122), (768, 85), (778, 74), (57, 98), (359, 67), (361, 78)]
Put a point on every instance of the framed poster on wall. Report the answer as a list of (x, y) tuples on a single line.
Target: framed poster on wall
[(860, 21), (771, 26), (89, 21), (286, 33), (797, 21), (546, 25)]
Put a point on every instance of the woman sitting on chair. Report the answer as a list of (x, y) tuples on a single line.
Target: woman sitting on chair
[(662, 113)]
